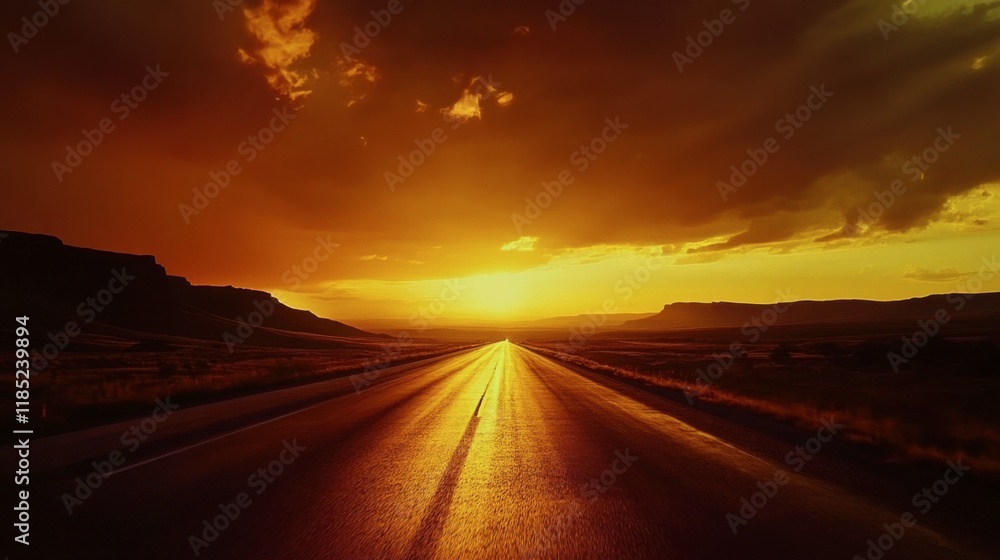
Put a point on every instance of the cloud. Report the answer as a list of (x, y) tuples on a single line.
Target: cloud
[(468, 105), (357, 78), (280, 29), (655, 186), (525, 243), (947, 274)]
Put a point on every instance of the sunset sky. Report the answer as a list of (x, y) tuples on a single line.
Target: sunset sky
[(515, 101)]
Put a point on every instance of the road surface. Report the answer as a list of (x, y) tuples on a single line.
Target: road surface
[(495, 452)]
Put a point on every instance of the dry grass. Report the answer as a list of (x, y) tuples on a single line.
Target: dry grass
[(80, 389), (934, 413)]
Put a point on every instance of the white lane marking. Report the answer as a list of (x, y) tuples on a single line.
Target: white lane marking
[(501, 364), (210, 440), (645, 412), (257, 425)]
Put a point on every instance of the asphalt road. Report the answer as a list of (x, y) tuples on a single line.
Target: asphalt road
[(496, 452)]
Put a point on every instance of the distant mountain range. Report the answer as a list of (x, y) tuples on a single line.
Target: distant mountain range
[(468, 324), (55, 283), (724, 314)]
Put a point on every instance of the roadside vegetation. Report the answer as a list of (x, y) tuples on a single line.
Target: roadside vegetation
[(941, 406), (83, 389)]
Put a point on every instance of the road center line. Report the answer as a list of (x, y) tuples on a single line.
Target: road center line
[(500, 363)]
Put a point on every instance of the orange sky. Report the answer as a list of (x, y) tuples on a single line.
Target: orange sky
[(503, 105)]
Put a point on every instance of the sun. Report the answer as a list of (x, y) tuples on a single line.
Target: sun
[(500, 295)]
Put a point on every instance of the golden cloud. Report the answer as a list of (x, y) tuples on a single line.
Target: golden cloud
[(284, 40), (356, 77), (525, 243), (468, 106)]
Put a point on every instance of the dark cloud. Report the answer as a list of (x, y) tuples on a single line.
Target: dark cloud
[(656, 184)]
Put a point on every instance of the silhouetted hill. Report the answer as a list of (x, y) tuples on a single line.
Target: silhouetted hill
[(57, 283), (725, 314), (574, 321)]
